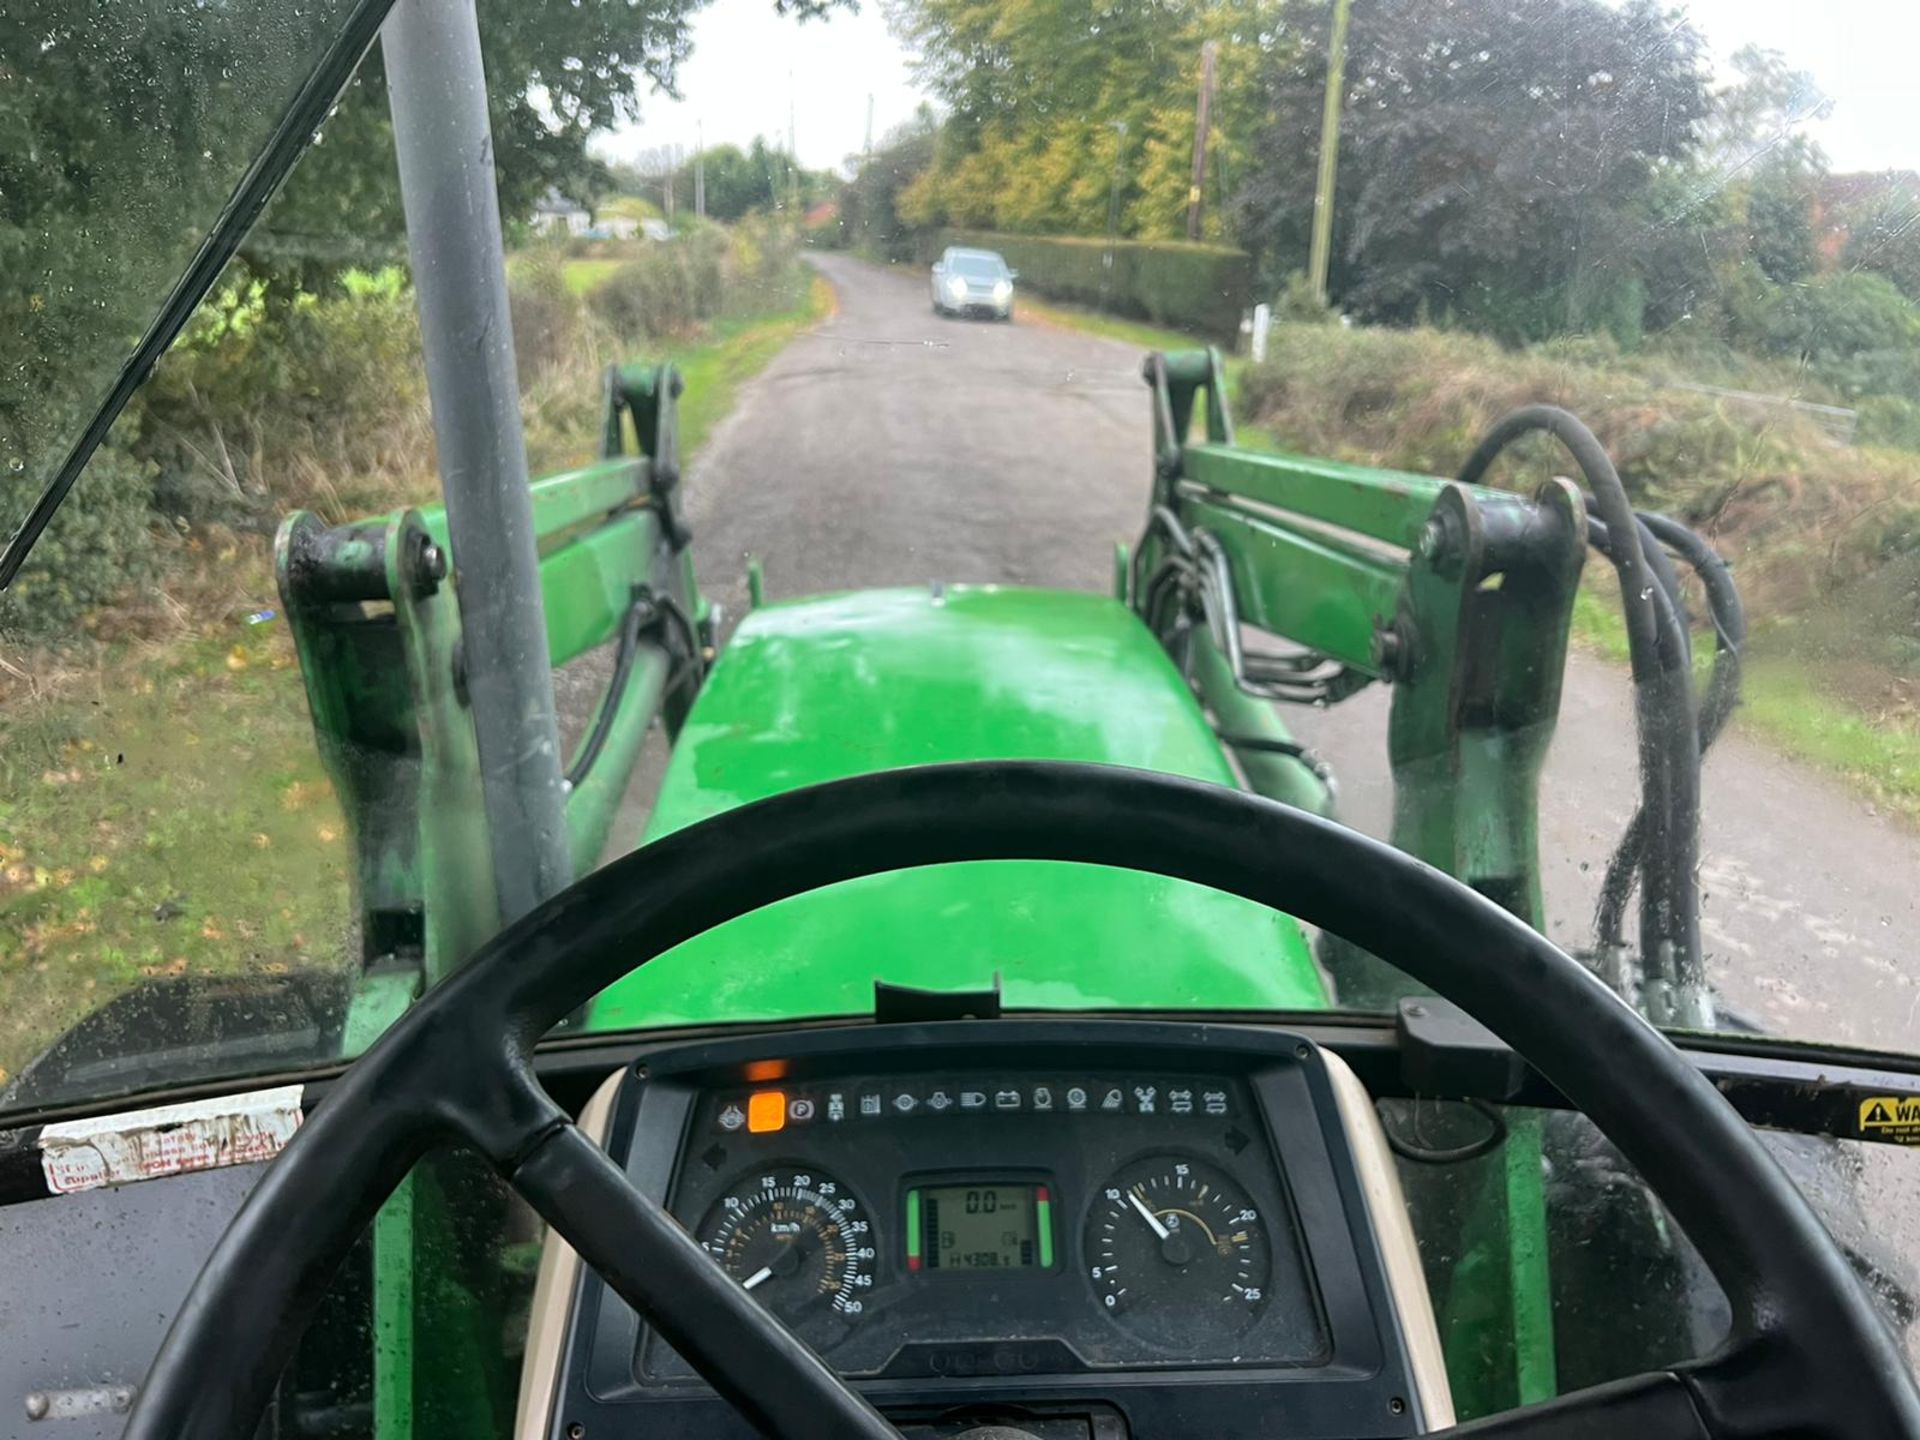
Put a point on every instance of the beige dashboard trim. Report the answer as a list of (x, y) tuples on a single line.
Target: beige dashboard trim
[(553, 1296), (1380, 1183)]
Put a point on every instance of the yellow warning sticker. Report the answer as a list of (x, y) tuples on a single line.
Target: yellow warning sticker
[(1893, 1119)]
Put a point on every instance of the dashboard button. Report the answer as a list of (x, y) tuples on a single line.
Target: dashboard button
[(1006, 1099), (1143, 1099), (1214, 1102), (1077, 1097), (903, 1102), (732, 1117), (872, 1105), (802, 1109), (1180, 1102), (940, 1101), (1113, 1099), (973, 1099), (836, 1106), (1043, 1097)]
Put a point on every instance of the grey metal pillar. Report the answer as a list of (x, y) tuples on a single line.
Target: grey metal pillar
[(437, 88)]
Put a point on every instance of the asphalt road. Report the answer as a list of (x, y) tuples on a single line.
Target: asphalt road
[(890, 446)]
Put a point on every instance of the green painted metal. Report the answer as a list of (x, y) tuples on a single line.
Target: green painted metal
[(378, 635), (809, 691), (1310, 588), (1275, 775), (394, 1253), (1386, 505), (1461, 598)]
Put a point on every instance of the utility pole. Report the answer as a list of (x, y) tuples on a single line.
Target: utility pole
[(793, 155), (699, 170), (1320, 258), (1202, 120), (666, 190), (867, 154)]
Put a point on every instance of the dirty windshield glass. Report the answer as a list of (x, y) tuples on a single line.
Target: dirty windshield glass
[(1491, 424)]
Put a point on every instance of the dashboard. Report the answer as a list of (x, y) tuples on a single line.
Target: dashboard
[(1097, 1229)]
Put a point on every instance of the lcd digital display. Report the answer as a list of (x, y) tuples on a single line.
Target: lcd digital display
[(983, 1225)]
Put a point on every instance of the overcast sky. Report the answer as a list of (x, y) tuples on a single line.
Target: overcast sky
[(748, 64)]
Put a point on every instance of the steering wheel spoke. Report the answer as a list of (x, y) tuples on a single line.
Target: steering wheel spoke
[(759, 1365)]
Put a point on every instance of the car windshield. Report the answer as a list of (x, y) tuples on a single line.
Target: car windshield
[(977, 267), (250, 806)]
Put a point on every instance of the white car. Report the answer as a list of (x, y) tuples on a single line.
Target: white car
[(973, 282)]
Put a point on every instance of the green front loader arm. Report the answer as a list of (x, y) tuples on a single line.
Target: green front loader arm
[(1460, 598), (375, 619)]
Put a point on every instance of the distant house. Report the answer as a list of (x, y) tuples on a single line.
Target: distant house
[(555, 214), (615, 227), (656, 229)]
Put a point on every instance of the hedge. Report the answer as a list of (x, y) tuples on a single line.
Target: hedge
[(1203, 288)]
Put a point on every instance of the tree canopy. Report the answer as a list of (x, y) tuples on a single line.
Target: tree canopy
[(1494, 154)]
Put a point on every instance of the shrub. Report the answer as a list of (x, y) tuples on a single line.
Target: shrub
[(1195, 287), (99, 546)]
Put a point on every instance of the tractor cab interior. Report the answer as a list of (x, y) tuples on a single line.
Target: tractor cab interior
[(951, 1009)]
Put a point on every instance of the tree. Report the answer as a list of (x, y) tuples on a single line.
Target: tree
[(870, 202), (1047, 99), (1494, 157)]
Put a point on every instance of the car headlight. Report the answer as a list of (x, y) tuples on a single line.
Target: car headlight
[(956, 287), (1002, 291)]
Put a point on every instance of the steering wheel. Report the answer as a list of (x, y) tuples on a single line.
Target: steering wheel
[(1808, 1355)]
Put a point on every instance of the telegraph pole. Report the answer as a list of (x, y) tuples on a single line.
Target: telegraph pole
[(699, 170), (666, 191), (867, 155), (1320, 257), (1202, 120), (793, 155)]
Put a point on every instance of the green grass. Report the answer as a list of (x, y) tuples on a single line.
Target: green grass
[(1879, 756), (582, 275), (175, 821), (169, 814), (732, 352)]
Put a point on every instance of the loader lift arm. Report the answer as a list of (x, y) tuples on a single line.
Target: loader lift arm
[(372, 608)]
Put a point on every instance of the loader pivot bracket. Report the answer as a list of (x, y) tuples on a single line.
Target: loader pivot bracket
[(648, 393), (1445, 1052)]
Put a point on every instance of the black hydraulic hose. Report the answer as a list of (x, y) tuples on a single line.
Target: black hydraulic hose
[(637, 615), (1723, 693), (1663, 702)]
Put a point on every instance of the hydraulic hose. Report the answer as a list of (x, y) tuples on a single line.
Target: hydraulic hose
[(1663, 702), (1723, 693)]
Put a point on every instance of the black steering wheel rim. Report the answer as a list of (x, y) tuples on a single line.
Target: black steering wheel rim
[(1809, 1355)]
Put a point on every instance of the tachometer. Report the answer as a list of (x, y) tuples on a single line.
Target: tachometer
[(800, 1242), (1176, 1252)]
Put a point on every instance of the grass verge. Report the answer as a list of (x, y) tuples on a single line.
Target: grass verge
[(166, 813)]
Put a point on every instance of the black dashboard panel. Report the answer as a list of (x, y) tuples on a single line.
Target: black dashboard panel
[(1102, 1228)]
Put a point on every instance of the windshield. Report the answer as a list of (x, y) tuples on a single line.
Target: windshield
[(244, 817), (977, 267)]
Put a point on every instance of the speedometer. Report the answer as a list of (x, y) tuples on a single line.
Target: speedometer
[(800, 1242)]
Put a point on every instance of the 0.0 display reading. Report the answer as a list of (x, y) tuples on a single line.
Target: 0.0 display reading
[(981, 1226)]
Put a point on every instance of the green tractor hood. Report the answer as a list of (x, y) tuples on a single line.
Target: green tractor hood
[(818, 690)]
